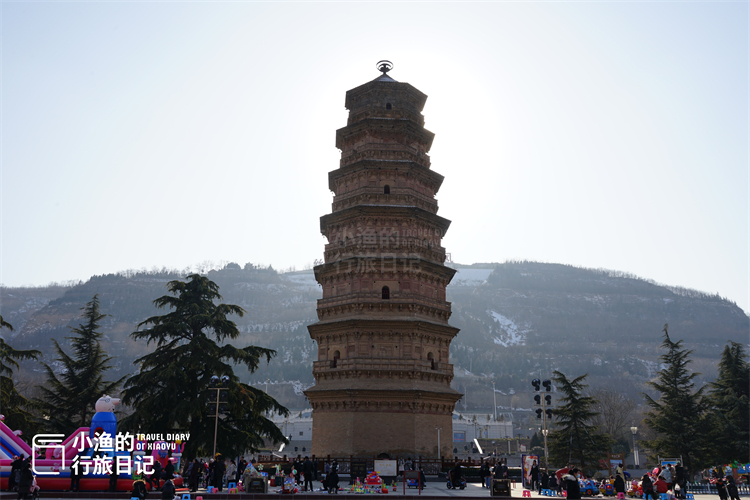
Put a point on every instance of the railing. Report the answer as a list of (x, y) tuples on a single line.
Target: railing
[(376, 298), (383, 364), (430, 466), (710, 489)]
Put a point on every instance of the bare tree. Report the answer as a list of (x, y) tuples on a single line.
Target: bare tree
[(616, 411)]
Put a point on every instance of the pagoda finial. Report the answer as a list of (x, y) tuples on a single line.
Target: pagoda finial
[(384, 66)]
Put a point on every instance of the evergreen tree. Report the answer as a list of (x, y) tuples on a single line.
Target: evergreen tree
[(12, 403), (68, 400), (536, 441), (575, 439), (170, 392), (678, 415), (729, 416)]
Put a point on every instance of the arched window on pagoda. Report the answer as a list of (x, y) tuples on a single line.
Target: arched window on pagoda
[(386, 293), (387, 189)]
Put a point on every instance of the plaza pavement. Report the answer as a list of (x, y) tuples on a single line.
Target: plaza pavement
[(434, 490)]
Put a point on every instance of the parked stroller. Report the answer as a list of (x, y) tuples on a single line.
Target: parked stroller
[(453, 484)]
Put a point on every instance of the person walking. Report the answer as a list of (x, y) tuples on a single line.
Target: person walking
[(534, 476), (307, 471), (721, 488), (732, 488), (139, 490), (666, 476), (619, 484), (647, 486), (219, 470), (231, 472), (169, 470), (484, 472), (15, 472), (25, 480), (571, 485), (168, 491), (155, 478), (194, 475), (543, 482), (75, 474), (113, 479), (679, 480)]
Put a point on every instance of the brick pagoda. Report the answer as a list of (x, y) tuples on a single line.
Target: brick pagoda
[(382, 378)]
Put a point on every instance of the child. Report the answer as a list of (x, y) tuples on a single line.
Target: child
[(34, 489)]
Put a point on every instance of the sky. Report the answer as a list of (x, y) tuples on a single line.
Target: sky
[(169, 134)]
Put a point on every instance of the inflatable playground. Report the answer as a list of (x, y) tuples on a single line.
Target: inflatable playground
[(54, 456)]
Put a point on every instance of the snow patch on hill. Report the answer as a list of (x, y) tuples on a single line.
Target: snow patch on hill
[(470, 277), (509, 333), (304, 280)]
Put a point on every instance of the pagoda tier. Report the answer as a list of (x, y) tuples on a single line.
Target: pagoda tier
[(383, 335), (385, 182)]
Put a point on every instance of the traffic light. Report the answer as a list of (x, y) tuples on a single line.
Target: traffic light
[(547, 385), (548, 400), (537, 399), (536, 383), (549, 413), (538, 413)]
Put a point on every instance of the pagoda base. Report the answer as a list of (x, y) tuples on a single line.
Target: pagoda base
[(367, 427)]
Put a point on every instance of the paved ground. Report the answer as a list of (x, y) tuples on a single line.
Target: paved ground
[(434, 489)]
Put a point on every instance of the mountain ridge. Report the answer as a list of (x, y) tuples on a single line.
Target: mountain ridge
[(518, 319)]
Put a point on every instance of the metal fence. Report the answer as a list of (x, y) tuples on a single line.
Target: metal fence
[(710, 489), (431, 467)]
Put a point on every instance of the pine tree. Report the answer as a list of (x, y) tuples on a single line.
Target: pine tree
[(575, 439), (170, 392), (729, 415), (68, 399), (12, 403), (678, 415)]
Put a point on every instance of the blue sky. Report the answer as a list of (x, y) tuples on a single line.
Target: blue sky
[(600, 134)]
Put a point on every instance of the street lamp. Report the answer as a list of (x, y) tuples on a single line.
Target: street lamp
[(634, 430), (546, 452), (220, 406), (439, 429), (494, 399)]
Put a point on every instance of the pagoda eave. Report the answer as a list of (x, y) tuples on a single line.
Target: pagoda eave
[(383, 211), (431, 177), (396, 126), (355, 96), (402, 264), (415, 326)]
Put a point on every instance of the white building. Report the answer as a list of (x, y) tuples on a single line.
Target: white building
[(466, 426), (470, 426)]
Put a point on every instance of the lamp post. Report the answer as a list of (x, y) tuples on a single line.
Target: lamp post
[(546, 452), (634, 430), (218, 385), (438, 453), (494, 399)]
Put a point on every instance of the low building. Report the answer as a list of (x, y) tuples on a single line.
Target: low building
[(470, 426), (298, 429)]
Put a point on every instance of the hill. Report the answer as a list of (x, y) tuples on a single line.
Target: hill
[(518, 320)]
